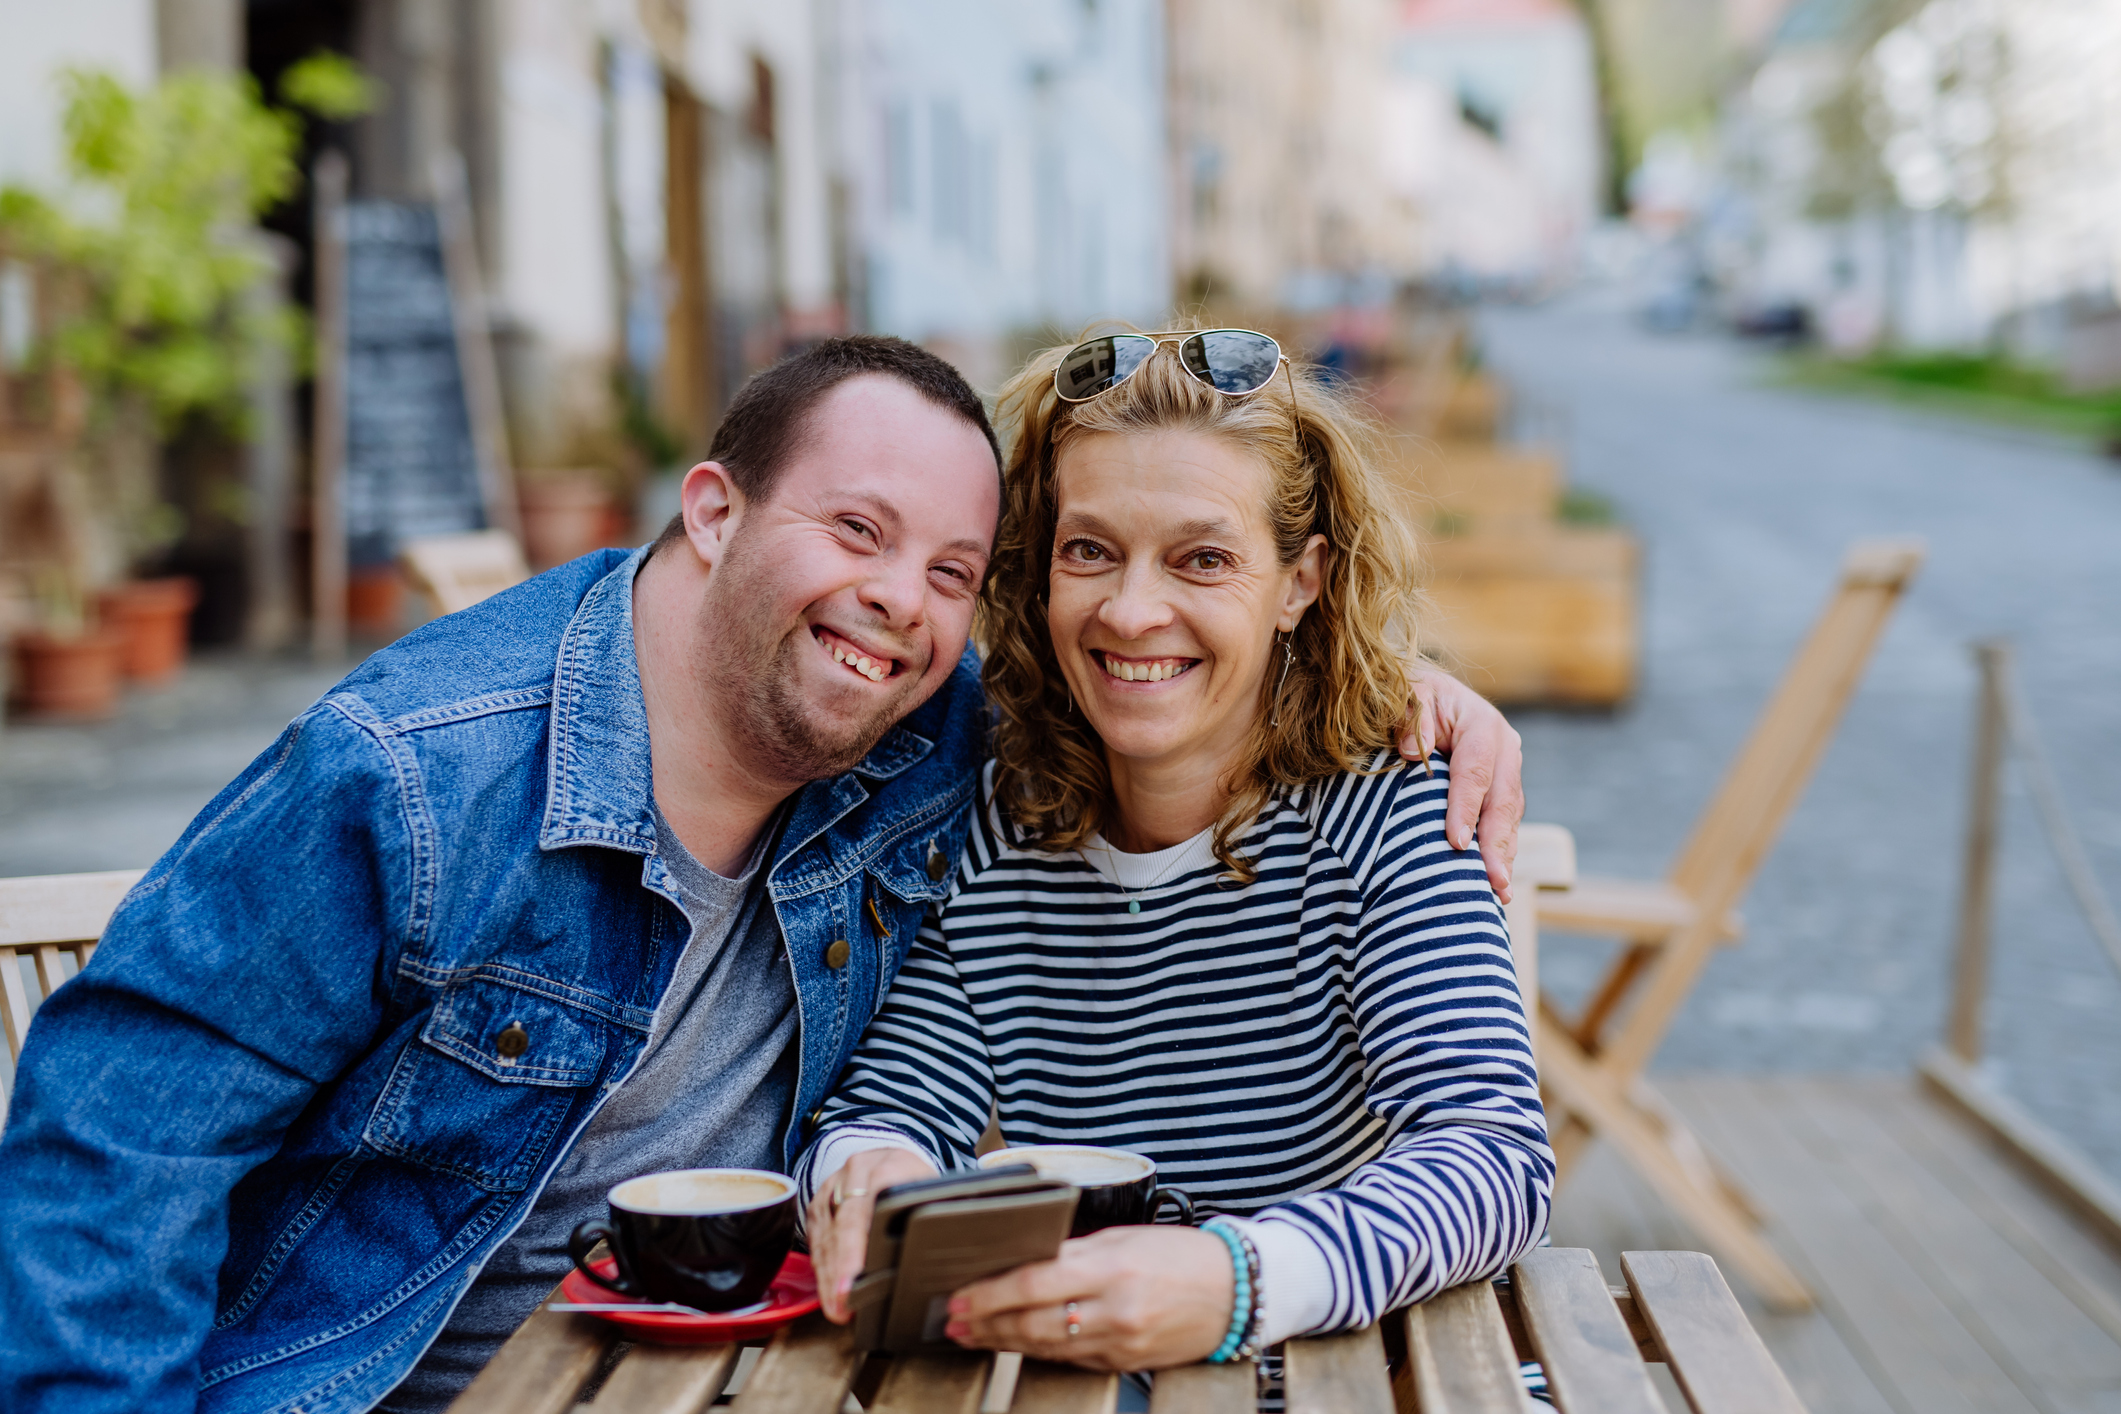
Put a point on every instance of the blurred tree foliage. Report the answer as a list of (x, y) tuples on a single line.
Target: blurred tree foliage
[(152, 252), (151, 268)]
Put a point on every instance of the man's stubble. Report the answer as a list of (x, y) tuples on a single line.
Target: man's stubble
[(755, 673)]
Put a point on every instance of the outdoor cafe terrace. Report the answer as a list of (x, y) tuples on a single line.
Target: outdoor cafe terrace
[(1899, 1231)]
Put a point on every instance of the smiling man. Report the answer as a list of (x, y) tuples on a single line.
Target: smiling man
[(603, 876)]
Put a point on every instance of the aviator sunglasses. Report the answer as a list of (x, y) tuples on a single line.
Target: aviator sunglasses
[(1234, 362)]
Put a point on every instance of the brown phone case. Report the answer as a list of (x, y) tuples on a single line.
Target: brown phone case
[(953, 1242), (871, 1294)]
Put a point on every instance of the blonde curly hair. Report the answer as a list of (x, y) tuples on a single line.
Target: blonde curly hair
[(1346, 693)]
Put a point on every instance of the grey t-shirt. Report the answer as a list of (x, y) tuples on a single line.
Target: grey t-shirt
[(712, 1091)]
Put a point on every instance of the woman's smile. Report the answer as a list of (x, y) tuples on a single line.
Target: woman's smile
[(1116, 668)]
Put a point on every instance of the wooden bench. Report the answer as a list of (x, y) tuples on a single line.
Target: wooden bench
[(1457, 1354), (458, 571), (49, 924)]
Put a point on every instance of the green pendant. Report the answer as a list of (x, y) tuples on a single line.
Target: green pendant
[(1134, 905)]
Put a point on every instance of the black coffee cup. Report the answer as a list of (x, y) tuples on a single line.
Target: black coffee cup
[(1118, 1188), (711, 1239)]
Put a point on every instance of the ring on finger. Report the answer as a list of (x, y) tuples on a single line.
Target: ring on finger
[(1075, 1327)]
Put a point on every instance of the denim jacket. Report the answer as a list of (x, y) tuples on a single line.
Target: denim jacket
[(263, 1143)]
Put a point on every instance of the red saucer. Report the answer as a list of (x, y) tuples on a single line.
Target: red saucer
[(793, 1294)]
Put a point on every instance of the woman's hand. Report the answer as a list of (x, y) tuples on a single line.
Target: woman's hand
[(839, 1219), (1145, 1298), (1487, 766)]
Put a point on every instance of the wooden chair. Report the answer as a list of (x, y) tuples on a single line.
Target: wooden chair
[(49, 921), (457, 571), (1546, 859), (1591, 1067)]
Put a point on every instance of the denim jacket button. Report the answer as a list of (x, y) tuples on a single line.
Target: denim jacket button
[(512, 1041), (836, 953), (937, 865)]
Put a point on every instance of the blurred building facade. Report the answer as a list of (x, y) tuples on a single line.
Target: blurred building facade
[(1494, 136), (1939, 175), (669, 194), (1004, 169), (1327, 151)]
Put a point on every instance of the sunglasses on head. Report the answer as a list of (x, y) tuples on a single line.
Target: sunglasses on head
[(1234, 362)]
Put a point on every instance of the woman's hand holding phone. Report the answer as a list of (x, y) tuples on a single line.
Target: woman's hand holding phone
[(1146, 1298), (838, 1225)]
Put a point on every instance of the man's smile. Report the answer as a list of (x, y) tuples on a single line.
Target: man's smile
[(870, 663)]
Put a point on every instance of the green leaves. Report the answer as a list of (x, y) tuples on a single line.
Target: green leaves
[(156, 234), (330, 86)]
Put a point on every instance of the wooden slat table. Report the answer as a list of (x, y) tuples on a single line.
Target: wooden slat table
[(1460, 1356)]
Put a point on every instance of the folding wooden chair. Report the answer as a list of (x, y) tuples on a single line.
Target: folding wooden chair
[(457, 571), (49, 921), (1591, 1068)]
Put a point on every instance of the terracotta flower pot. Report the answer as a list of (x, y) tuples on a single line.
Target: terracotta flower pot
[(76, 679), (154, 618), (375, 602), (564, 517)]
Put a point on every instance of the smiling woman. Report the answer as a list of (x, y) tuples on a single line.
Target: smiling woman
[(1262, 522)]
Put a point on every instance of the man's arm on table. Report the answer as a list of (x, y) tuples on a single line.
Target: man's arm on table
[(239, 977)]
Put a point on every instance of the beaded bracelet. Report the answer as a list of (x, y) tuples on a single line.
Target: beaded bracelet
[(1247, 1312)]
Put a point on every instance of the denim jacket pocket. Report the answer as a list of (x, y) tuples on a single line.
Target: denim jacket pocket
[(899, 893), (483, 1089)]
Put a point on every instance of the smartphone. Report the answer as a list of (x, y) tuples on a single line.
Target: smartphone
[(929, 1238)]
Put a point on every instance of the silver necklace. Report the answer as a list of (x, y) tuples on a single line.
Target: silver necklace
[(1134, 903)]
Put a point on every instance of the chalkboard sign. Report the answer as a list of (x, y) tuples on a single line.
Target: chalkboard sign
[(411, 463)]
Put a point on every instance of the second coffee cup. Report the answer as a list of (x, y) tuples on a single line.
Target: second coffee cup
[(711, 1239), (1118, 1187)]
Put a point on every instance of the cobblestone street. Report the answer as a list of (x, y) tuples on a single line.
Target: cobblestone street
[(1745, 495)]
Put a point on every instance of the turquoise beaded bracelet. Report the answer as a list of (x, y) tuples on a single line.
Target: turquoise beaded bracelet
[(1242, 1341)]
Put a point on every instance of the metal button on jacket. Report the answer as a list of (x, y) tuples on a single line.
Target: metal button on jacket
[(837, 952), (936, 863), (512, 1041)]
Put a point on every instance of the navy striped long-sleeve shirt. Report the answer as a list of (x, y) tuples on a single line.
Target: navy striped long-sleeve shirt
[(1335, 1053)]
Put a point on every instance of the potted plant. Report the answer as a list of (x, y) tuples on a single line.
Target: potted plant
[(153, 617), (67, 667), (566, 514), (153, 268)]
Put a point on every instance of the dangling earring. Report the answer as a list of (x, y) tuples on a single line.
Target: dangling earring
[(1288, 655)]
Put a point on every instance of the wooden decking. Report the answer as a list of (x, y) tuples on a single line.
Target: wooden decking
[(1947, 1282)]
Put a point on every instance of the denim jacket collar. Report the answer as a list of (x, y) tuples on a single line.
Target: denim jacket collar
[(600, 781)]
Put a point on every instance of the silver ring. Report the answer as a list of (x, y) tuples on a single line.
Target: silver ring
[(1075, 1327), (855, 1193)]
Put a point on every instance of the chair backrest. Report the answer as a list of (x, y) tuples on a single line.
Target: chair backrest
[(50, 920), (1546, 859), (457, 571), (1771, 770)]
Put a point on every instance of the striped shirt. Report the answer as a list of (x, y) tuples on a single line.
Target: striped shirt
[(1336, 1053)]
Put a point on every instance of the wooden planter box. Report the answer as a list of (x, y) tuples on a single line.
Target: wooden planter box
[(1487, 487), (1543, 614), (1473, 409)]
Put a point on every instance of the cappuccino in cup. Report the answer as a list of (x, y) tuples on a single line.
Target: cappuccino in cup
[(1118, 1187)]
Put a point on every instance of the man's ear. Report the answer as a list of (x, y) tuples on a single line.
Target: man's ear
[(1305, 585), (710, 504)]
